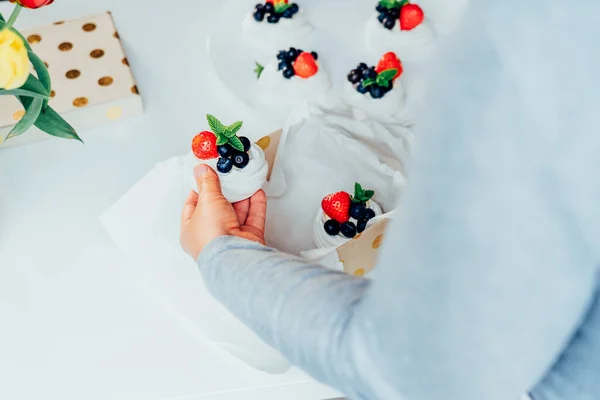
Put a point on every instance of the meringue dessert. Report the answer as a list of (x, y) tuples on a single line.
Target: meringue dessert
[(342, 217), (275, 24), (294, 76), (376, 90), (398, 25), (240, 164)]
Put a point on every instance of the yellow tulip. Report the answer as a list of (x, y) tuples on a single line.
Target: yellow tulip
[(14, 62)]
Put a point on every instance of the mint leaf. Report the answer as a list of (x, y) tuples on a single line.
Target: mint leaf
[(236, 143), (31, 115), (234, 128), (368, 194), (221, 140), (357, 190), (215, 125), (258, 70), (281, 7), (367, 82), (391, 4), (385, 77)]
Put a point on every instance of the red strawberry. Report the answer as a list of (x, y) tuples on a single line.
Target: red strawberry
[(388, 61), (204, 145), (305, 65), (277, 1), (411, 16), (337, 206)]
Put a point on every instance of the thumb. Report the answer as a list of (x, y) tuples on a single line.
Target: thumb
[(207, 181)]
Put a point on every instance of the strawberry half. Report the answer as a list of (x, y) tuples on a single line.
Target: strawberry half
[(204, 145), (388, 61), (337, 206), (411, 16), (277, 1), (305, 65)]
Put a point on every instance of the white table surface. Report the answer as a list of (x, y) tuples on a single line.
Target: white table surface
[(75, 322)]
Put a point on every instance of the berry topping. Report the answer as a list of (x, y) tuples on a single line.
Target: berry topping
[(369, 214), (274, 10), (361, 225), (224, 165), (388, 23), (283, 64), (240, 160), (355, 76), (337, 206), (246, 142), (332, 227), (411, 16), (225, 150), (282, 55), (273, 18), (305, 65), (269, 7), (259, 15), (204, 145), (288, 73), (376, 91), (292, 54), (361, 89), (315, 55), (370, 73), (348, 229), (358, 210), (390, 61)]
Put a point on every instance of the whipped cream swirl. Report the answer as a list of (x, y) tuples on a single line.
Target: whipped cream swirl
[(240, 183), (388, 106), (284, 33), (381, 40), (323, 240)]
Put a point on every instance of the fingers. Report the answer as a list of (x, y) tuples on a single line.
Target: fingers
[(207, 181), (257, 213), (189, 207), (241, 210)]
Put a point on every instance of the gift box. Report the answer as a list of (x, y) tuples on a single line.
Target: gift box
[(92, 83)]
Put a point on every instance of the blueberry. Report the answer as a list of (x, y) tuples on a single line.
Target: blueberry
[(332, 227), (348, 229), (288, 14), (370, 73), (273, 18), (288, 73), (382, 17), (369, 214), (294, 7), (282, 55), (224, 165), (357, 210), (361, 225), (240, 160), (268, 7), (363, 67), (361, 89), (284, 64), (292, 54), (246, 142), (354, 76), (380, 8), (389, 23), (395, 13), (225, 150), (376, 91), (315, 55), (259, 16), (259, 7)]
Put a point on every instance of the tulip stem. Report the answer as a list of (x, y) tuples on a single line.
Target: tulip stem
[(13, 17)]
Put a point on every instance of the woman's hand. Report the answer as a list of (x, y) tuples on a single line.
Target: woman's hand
[(208, 215)]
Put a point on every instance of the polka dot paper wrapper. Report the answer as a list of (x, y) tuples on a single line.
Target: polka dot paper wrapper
[(92, 83)]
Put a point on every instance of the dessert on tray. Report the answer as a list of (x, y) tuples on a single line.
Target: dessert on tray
[(276, 23), (377, 90), (240, 164), (293, 76), (397, 25), (342, 216)]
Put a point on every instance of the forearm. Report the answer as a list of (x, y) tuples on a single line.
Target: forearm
[(304, 310)]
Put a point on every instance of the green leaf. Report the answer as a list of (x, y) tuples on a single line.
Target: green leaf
[(23, 92), (32, 84), (368, 194), (258, 70), (42, 73), (281, 7), (222, 139), (215, 125), (388, 74), (236, 143), (50, 122), (2, 18), (234, 128), (32, 114), (367, 82), (358, 190)]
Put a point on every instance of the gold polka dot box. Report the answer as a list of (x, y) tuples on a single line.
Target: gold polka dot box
[(92, 83)]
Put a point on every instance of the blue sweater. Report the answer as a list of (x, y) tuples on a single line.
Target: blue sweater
[(487, 284)]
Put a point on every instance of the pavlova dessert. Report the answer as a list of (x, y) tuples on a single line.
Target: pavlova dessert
[(397, 25), (293, 76), (276, 23), (376, 90), (240, 164), (343, 217)]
